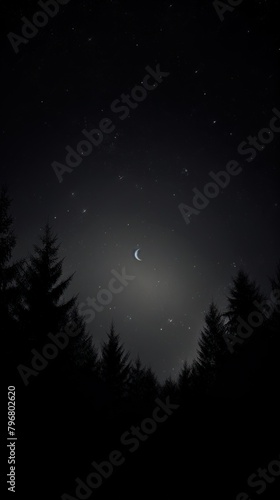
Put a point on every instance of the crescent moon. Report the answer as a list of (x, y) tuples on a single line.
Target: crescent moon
[(136, 255)]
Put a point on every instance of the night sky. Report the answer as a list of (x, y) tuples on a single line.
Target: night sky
[(220, 86)]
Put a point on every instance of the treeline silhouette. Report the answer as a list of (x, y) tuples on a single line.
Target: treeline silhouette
[(75, 408)]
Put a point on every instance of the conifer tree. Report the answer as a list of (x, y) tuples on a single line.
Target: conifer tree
[(9, 272), (211, 347), (44, 309), (115, 365), (244, 299), (184, 379), (82, 352)]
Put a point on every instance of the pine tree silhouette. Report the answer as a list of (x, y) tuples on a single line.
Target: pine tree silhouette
[(184, 380), (150, 386), (137, 376), (246, 336), (10, 297), (82, 353), (114, 366), (244, 294), (211, 347), (43, 288)]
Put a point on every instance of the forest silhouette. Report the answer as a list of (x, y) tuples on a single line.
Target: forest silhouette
[(74, 401)]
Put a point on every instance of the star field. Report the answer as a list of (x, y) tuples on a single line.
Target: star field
[(221, 88)]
